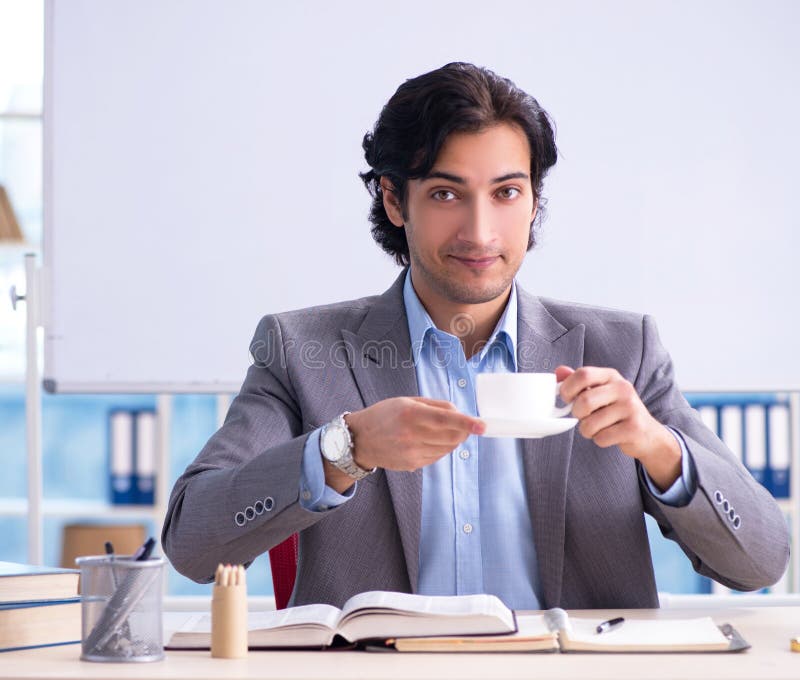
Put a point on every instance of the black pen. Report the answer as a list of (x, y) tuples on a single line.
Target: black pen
[(610, 625), (110, 553), (143, 553)]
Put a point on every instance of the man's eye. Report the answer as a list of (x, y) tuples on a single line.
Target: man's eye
[(443, 195), (509, 192)]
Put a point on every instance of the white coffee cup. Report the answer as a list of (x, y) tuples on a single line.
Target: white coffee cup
[(518, 396)]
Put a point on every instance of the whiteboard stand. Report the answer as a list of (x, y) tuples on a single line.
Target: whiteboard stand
[(33, 406), (33, 410)]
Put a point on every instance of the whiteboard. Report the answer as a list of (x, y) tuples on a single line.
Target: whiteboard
[(201, 164)]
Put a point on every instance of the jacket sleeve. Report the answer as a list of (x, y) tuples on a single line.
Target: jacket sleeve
[(240, 496), (732, 529)]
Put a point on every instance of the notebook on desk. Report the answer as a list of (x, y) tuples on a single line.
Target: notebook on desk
[(556, 631)]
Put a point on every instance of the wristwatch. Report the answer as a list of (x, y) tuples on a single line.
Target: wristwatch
[(336, 446)]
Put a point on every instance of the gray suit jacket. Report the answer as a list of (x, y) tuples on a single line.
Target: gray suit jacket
[(586, 503)]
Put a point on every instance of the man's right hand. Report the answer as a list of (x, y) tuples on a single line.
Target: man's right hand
[(403, 433)]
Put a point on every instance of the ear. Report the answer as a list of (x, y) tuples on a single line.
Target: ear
[(535, 209), (391, 203)]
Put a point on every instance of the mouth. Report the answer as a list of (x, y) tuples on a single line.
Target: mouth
[(476, 262)]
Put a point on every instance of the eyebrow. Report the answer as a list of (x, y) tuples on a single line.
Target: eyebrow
[(460, 180)]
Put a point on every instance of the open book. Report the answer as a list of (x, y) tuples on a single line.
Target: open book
[(555, 631), (375, 615)]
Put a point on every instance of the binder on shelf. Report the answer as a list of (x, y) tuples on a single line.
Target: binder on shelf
[(731, 429), (779, 449), (709, 416), (145, 457), (755, 444), (121, 457)]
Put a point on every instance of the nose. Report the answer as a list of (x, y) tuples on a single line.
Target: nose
[(477, 228)]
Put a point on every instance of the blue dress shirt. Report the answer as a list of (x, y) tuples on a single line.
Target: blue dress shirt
[(476, 534)]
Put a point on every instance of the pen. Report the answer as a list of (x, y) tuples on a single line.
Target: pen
[(610, 625), (109, 546), (143, 552), (110, 553)]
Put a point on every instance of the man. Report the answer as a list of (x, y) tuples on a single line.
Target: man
[(371, 448)]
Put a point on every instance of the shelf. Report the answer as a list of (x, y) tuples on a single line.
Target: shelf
[(20, 115), (76, 508)]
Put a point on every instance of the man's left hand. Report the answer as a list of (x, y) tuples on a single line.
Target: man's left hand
[(610, 413)]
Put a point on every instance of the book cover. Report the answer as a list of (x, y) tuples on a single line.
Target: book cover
[(145, 457), (121, 470), (39, 624), (27, 583), (779, 451)]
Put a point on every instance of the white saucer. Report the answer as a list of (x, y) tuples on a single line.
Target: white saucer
[(527, 429)]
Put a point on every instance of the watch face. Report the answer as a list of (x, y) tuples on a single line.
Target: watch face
[(334, 443)]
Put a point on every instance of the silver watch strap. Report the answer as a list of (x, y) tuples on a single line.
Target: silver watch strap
[(347, 463)]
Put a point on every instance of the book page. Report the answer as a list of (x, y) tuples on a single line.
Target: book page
[(533, 634), (317, 615), (309, 625), (667, 634), (381, 614), (445, 605)]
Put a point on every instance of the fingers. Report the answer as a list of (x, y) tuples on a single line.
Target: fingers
[(591, 400), (615, 435), (406, 433), (439, 403), (584, 378), (443, 415), (443, 438), (563, 372), (608, 407), (597, 424)]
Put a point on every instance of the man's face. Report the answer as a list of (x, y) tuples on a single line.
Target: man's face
[(468, 222)]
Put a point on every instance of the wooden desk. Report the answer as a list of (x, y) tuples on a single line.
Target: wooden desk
[(768, 629)]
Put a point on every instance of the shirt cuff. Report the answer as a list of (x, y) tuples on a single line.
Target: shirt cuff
[(315, 495), (682, 490)]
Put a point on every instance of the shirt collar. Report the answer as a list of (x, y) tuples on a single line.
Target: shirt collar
[(420, 323)]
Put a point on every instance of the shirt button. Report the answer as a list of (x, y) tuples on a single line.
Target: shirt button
[(306, 495), (467, 528), (464, 454), (462, 382)]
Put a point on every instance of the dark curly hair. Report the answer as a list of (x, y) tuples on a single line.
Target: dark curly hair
[(416, 121)]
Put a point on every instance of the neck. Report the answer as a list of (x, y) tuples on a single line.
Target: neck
[(471, 323)]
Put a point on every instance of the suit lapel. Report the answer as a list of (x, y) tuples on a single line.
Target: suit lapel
[(382, 364), (542, 344)]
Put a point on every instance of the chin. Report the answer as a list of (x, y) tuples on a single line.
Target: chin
[(474, 292)]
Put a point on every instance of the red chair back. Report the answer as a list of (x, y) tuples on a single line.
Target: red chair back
[(283, 563)]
